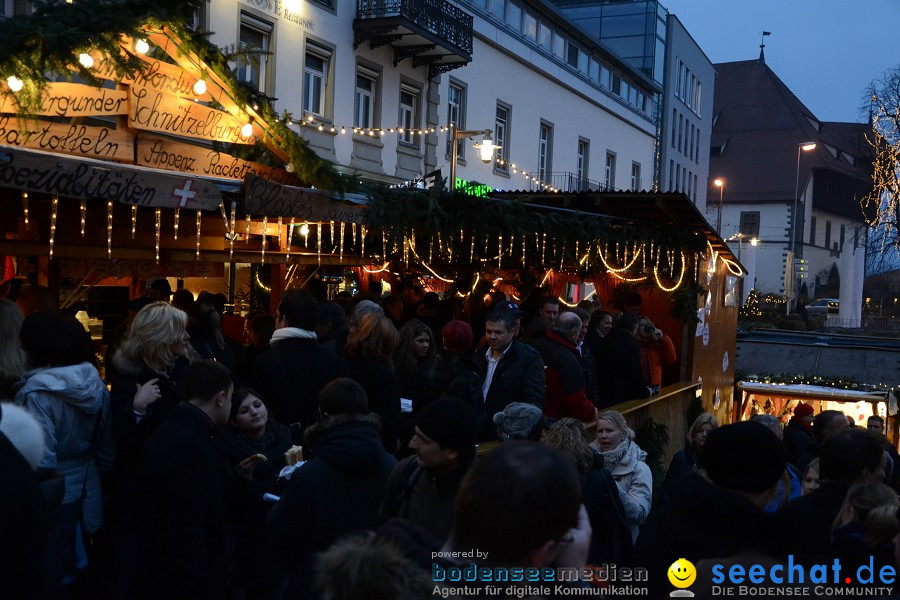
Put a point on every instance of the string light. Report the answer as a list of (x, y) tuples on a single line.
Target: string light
[(341, 242), (265, 225), (177, 215), (109, 228), (319, 243), (54, 206), (362, 237), (280, 236), (25, 206), (141, 46), (263, 286), (15, 84), (199, 220), (247, 227), (231, 230), (134, 220), (86, 60), (158, 230), (290, 237), (680, 277), (383, 268), (200, 89), (83, 210), (623, 269)]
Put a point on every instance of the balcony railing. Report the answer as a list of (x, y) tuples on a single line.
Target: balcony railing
[(445, 21), (566, 182)]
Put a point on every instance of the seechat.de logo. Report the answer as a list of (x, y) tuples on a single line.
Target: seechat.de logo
[(682, 574)]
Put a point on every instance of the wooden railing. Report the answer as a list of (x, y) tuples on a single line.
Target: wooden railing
[(668, 408)]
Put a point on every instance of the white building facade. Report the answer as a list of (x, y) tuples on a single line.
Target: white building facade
[(564, 111)]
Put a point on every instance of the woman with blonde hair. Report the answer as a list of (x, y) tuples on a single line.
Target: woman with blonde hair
[(368, 351), (611, 540), (625, 460), (150, 366), (12, 357), (688, 460), (865, 526)]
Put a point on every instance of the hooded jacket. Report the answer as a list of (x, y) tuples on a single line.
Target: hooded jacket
[(72, 406), (336, 493)]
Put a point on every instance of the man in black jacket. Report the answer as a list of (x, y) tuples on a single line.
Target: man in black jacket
[(296, 367), (619, 364), (510, 372), (182, 479), (337, 492)]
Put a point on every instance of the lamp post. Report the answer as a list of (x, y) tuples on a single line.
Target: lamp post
[(485, 149), (805, 147), (719, 183)]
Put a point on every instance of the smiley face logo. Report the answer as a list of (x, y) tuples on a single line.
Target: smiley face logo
[(682, 573)]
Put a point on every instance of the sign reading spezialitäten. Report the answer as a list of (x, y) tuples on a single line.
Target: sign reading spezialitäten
[(46, 173)]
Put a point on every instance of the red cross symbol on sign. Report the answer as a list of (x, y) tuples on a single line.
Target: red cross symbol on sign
[(184, 193)]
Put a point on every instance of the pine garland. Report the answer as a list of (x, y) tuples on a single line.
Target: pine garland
[(50, 40)]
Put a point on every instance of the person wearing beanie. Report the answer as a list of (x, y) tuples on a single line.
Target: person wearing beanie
[(520, 421), (798, 437), (717, 512), (422, 487)]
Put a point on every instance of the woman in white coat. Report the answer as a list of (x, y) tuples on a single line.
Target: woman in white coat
[(625, 460)]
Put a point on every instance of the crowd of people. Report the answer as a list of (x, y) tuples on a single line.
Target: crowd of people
[(334, 455)]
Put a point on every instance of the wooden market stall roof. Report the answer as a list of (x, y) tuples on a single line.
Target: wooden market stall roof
[(637, 208)]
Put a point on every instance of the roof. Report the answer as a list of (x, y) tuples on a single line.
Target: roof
[(647, 209), (759, 123)]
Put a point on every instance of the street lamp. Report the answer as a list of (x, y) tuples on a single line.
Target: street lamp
[(805, 147), (719, 183), (485, 149)]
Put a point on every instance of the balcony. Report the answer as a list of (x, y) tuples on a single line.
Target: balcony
[(434, 33), (565, 181)]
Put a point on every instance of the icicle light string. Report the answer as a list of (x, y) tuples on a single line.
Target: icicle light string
[(133, 220), (83, 210), (54, 207), (158, 229), (199, 221), (109, 228)]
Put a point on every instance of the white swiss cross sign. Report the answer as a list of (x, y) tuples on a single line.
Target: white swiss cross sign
[(184, 193)]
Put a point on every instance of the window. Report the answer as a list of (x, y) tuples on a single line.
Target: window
[(677, 178), (695, 189), (688, 185), (514, 16), (843, 234), (315, 79), (456, 115), (635, 176), (6, 8), (199, 20), (828, 234), (545, 148), (529, 27), (691, 151), (812, 231), (671, 169), (364, 98), (581, 162), (255, 37), (697, 148), (545, 35), (501, 129), (750, 223), (496, 8), (605, 77), (680, 131), (610, 174), (572, 55), (674, 125), (409, 118)]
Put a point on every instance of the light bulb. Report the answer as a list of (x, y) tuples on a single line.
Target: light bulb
[(141, 46), (200, 87), (86, 60), (247, 130), (14, 83), (290, 167), (304, 229)]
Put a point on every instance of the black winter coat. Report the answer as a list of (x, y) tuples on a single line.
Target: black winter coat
[(290, 375), (334, 494), (383, 389), (619, 369), (799, 444), (182, 481), (683, 464), (519, 377), (611, 537)]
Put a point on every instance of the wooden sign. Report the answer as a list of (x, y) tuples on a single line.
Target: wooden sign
[(163, 153), (73, 100), (156, 111), (263, 197), (156, 75), (46, 173), (83, 140)]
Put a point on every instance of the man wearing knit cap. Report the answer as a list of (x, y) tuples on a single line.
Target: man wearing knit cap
[(520, 421), (422, 487), (718, 513), (798, 437)]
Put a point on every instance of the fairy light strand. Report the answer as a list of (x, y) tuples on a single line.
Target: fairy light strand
[(109, 228), (158, 230), (83, 211), (25, 206), (175, 225), (133, 220), (54, 207), (199, 220)]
